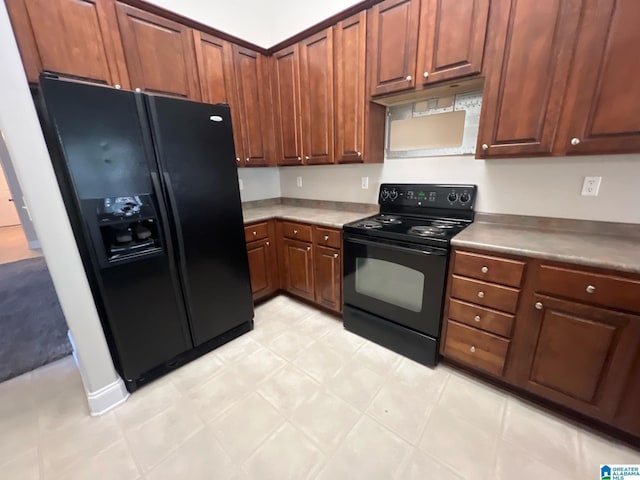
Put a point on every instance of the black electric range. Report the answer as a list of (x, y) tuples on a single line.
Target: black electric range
[(395, 265)]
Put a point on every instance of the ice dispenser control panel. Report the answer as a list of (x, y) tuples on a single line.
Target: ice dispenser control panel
[(459, 197)]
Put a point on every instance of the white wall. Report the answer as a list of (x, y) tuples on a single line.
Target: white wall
[(23, 137), (548, 187), (259, 183)]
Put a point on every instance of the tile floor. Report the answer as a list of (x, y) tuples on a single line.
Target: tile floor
[(299, 397)]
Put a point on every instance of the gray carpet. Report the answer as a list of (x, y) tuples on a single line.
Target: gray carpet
[(33, 331)]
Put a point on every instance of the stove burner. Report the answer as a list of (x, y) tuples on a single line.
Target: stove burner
[(427, 231), (368, 224), (387, 219)]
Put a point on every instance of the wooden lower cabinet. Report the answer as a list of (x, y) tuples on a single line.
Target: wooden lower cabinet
[(298, 268), (574, 340), (328, 277), (263, 262)]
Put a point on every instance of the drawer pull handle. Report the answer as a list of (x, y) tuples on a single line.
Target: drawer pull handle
[(472, 349), (477, 318), (538, 305), (255, 233), (295, 232), (335, 255), (326, 237), (480, 294), (591, 289), (267, 243), (484, 269), (308, 249)]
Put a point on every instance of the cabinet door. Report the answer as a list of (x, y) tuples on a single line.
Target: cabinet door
[(574, 354), (262, 268), (286, 100), (393, 44), (603, 96), (78, 38), (452, 34), (627, 417), (298, 268), (214, 58), (316, 87), (160, 53), (252, 78), (526, 65), (328, 277)]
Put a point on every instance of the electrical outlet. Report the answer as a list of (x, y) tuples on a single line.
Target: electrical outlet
[(364, 183), (299, 181), (591, 186), (241, 183)]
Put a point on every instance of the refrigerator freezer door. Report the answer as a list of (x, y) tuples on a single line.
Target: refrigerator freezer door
[(194, 146)]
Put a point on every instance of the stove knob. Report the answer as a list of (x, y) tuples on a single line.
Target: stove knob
[(465, 197), (453, 196), (384, 194), (393, 194)]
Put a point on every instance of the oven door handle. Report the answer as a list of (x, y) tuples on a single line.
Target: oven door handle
[(390, 246)]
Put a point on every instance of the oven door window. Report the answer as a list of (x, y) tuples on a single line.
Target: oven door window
[(390, 282)]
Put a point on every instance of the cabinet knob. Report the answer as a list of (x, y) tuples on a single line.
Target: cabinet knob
[(138, 90), (472, 349), (538, 305), (248, 159), (359, 154), (308, 249), (306, 157), (326, 237), (480, 294), (477, 318), (409, 78), (255, 233), (485, 147), (238, 159), (575, 141), (335, 255), (117, 86), (591, 289), (299, 159), (267, 244), (484, 269), (425, 74), (295, 232)]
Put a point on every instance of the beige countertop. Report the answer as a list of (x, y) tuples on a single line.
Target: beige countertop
[(319, 216), (588, 249)]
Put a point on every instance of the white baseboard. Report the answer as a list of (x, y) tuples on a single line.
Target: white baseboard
[(34, 245)]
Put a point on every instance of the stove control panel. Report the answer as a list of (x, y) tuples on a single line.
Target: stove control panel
[(458, 197)]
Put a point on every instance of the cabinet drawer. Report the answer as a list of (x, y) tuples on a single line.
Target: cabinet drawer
[(487, 294), (297, 231), (607, 290), (476, 348), (492, 269), (482, 318), (327, 237), (257, 231)]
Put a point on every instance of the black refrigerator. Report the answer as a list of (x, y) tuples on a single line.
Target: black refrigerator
[(150, 184)]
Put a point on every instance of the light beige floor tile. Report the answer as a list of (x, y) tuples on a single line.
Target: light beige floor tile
[(478, 403), (377, 358), (343, 342), (57, 377), (421, 466), (18, 434), (369, 452), (153, 441), (513, 462), (199, 458), (320, 362), (356, 384), (196, 373), (243, 427), (545, 437), (237, 349), (23, 467), (219, 393), (286, 455), (257, 366), (597, 449), (267, 331), (17, 396), (62, 409), (430, 381), (288, 388), (114, 462), (66, 446), (402, 409), (146, 403), (290, 344), (316, 324), (461, 445), (326, 419)]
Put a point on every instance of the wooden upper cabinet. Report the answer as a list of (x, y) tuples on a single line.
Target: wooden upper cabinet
[(603, 95), (254, 102), (392, 44), (287, 105), (316, 87), (160, 53), (451, 42), (526, 66), (78, 38)]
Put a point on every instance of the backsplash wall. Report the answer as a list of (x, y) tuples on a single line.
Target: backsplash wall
[(548, 187), (259, 183)]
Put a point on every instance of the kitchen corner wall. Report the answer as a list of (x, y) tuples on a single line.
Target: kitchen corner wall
[(548, 187)]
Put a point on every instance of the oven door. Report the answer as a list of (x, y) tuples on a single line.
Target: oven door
[(399, 282)]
